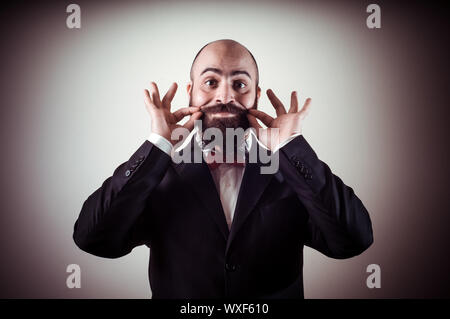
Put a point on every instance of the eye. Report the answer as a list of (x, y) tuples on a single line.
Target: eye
[(239, 85), (211, 82)]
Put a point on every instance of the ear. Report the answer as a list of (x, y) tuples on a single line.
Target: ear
[(258, 93), (189, 88)]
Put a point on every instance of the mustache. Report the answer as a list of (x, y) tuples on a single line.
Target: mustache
[(220, 107)]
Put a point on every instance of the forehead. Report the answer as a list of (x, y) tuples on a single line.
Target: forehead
[(225, 58)]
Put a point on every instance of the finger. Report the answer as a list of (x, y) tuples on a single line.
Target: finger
[(190, 123), (265, 118), (294, 103), (185, 111), (155, 94), (253, 122), (279, 107), (305, 109), (148, 101), (167, 99)]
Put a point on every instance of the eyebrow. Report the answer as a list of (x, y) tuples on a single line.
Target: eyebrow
[(218, 71)]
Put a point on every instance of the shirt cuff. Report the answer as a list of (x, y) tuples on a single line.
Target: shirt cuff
[(290, 138), (160, 142)]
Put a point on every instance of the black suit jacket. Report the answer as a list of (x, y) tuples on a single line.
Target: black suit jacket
[(176, 211)]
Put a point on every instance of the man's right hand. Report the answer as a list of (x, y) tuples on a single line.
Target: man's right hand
[(163, 121)]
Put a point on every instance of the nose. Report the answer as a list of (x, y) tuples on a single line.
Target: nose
[(224, 94)]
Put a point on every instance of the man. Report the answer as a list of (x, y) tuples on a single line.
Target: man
[(224, 229)]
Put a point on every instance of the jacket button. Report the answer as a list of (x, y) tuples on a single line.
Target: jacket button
[(230, 267), (127, 173)]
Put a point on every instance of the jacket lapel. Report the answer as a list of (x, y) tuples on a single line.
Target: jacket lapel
[(252, 186), (198, 176)]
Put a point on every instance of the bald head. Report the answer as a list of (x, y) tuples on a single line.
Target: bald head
[(225, 50)]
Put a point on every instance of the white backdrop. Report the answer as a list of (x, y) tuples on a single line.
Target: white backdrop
[(77, 112)]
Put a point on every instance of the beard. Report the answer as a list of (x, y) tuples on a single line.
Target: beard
[(238, 120)]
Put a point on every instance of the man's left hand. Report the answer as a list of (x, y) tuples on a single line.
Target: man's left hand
[(284, 125)]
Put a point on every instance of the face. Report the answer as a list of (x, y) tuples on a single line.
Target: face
[(224, 85)]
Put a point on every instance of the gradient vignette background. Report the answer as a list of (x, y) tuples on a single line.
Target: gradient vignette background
[(72, 111)]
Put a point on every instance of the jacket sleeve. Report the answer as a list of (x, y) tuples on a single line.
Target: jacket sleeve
[(111, 221), (338, 224)]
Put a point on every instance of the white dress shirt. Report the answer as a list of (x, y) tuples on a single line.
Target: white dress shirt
[(227, 177)]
